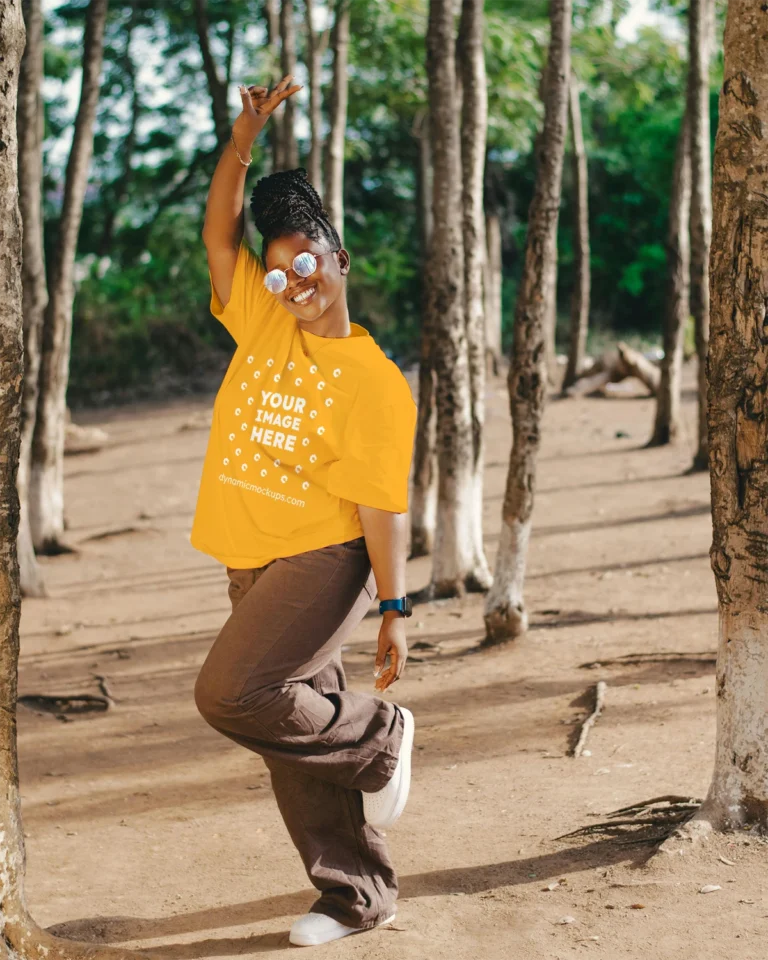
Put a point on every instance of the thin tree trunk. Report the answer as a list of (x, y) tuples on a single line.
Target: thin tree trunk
[(333, 195), (505, 613), (474, 129), (29, 123), (492, 280), (290, 148), (550, 279), (667, 425), (582, 286), (314, 53), (423, 498), (453, 556), (22, 938), (274, 127), (217, 87), (738, 428), (46, 492), (699, 13), (119, 188)]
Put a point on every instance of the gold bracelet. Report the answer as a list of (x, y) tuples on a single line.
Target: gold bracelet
[(237, 152)]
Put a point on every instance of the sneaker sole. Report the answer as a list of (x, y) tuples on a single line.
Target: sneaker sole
[(406, 749), (309, 942)]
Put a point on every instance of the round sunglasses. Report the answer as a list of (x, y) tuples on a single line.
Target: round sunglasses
[(304, 265)]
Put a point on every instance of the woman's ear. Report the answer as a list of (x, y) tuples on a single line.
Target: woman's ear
[(344, 262)]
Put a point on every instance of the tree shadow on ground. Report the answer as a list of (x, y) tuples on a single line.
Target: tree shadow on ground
[(451, 880)]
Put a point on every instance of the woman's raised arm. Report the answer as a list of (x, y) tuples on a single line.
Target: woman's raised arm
[(223, 227)]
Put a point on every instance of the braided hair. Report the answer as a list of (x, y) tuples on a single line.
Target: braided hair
[(286, 202)]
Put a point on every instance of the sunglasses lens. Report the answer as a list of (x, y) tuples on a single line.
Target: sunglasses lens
[(275, 281), (305, 264)]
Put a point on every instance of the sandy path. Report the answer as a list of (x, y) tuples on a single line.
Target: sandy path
[(145, 827)]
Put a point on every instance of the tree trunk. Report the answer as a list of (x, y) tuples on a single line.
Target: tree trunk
[(46, 493), (699, 14), (505, 613), (217, 87), (274, 127), (474, 129), (582, 286), (453, 556), (492, 279), (290, 148), (314, 54), (667, 426), (29, 123), (550, 278), (119, 188), (21, 937), (333, 195), (738, 428), (423, 498)]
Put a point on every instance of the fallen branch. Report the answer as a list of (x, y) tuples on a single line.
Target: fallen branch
[(104, 687), (600, 690), (62, 706), (638, 365), (629, 659), (613, 367)]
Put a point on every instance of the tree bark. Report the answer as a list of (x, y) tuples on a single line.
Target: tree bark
[(505, 613), (20, 936), (333, 194), (667, 425), (217, 87), (290, 148), (738, 427), (453, 556), (474, 130), (493, 269), (700, 12), (29, 124), (314, 54), (46, 492), (119, 188), (423, 498), (582, 286)]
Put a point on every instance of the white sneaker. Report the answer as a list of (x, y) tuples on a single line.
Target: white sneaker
[(384, 807), (315, 928)]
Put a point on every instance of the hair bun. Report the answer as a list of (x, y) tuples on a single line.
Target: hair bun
[(286, 202)]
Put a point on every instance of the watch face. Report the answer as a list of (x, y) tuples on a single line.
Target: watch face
[(408, 609)]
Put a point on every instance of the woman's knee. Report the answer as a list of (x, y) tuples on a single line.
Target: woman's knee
[(222, 699), (212, 700)]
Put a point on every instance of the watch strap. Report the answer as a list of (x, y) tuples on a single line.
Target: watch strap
[(402, 604)]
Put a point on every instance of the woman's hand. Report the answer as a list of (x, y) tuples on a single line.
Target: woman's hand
[(258, 104), (391, 641)]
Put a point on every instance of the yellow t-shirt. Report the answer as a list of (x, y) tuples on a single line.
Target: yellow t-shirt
[(304, 428)]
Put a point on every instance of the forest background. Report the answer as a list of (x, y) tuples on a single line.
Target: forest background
[(141, 324)]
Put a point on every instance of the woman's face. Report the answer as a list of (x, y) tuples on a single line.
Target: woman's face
[(317, 292)]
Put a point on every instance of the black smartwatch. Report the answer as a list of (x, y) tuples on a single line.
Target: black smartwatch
[(403, 604)]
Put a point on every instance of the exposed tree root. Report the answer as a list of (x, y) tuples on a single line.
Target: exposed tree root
[(600, 690), (633, 822), (663, 657), (27, 941)]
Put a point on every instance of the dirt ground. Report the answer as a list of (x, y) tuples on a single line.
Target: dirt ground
[(146, 828)]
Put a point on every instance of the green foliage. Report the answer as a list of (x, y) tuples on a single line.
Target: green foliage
[(141, 307)]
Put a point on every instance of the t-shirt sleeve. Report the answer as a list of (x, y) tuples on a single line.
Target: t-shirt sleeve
[(377, 447), (250, 301)]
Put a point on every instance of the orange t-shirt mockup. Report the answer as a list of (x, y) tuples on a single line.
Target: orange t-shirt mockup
[(304, 429)]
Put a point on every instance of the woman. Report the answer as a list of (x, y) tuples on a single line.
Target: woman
[(303, 497)]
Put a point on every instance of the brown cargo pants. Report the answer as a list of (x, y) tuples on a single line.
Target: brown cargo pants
[(273, 682)]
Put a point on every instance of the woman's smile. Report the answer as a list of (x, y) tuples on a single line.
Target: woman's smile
[(305, 296)]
